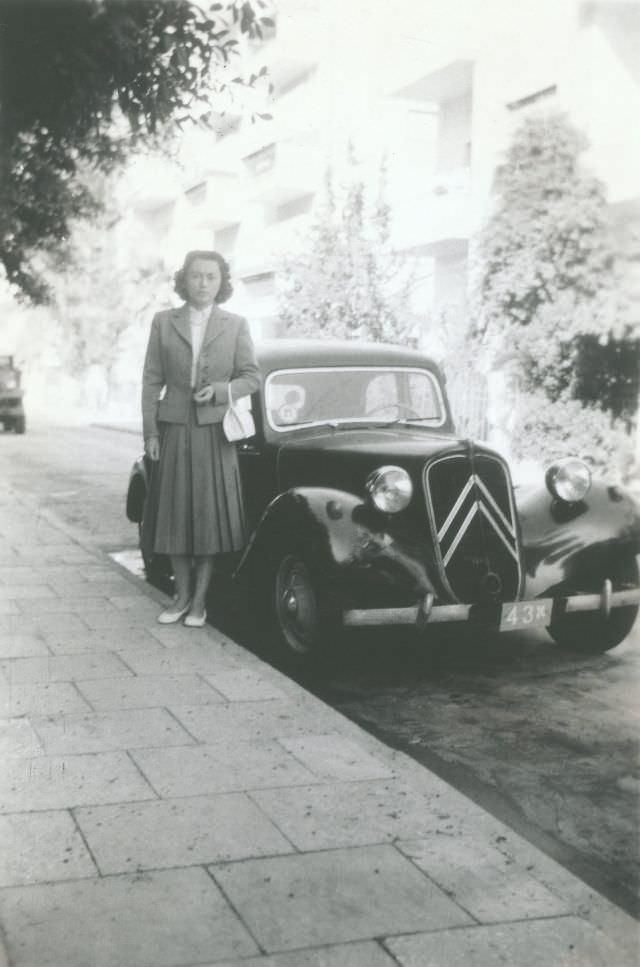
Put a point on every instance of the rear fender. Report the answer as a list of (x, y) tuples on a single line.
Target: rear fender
[(574, 547)]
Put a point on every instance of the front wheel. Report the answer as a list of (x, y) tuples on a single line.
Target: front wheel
[(299, 611), (592, 632)]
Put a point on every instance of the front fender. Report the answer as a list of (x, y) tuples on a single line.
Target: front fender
[(351, 546), (574, 547)]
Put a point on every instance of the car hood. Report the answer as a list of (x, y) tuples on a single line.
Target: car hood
[(343, 457)]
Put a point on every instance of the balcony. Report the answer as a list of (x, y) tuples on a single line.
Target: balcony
[(448, 82), (437, 218), (215, 202), (282, 171)]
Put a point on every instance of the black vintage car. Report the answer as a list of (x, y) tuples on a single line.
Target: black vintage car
[(11, 393), (365, 508)]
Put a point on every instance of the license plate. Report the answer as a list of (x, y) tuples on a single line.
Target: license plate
[(526, 614)]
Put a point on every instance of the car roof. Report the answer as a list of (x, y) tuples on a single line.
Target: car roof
[(297, 353)]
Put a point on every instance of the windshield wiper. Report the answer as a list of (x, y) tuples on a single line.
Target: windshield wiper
[(404, 419)]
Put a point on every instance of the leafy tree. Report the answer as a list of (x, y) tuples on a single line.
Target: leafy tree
[(82, 83), (549, 285), (108, 284), (346, 281)]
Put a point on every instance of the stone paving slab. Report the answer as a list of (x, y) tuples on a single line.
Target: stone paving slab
[(131, 602), (41, 847), (93, 589), (60, 782), (22, 646), (34, 624), (178, 832), (341, 814), (220, 768), (148, 691), (66, 575), (319, 898), (17, 738), (17, 577), (63, 552), (332, 756), (486, 882), (56, 604), (245, 685), (63, 668), (34, 593), (155, 659), (92, 641), (106, 732), (271, 718), (556, 942), (24, 534), (164, 919), (343, 955), (42, 698), (111, 617)]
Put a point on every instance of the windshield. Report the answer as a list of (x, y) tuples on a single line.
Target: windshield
[(348, 394)]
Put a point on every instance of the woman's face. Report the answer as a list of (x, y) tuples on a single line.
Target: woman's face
[(203, 278)]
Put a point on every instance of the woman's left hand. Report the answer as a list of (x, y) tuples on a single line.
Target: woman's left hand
[(204, 395)]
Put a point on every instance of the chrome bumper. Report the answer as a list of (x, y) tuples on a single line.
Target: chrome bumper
[(428, 613)]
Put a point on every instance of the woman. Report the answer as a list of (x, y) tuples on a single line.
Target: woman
[(194, 506)]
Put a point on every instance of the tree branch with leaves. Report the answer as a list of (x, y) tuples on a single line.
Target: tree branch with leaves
[(85, 82)]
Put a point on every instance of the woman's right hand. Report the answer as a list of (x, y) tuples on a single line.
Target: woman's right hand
[(152, 446)]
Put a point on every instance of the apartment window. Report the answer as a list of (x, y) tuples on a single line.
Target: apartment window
[(289, 209), (261, 285), (227, 125), (303, 76), (158, 220), (261, 161), (225, 239), (197, 195), (534, 98)]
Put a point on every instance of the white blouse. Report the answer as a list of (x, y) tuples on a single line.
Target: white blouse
[(198, 319)]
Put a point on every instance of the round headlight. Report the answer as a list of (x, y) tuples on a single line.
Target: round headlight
[(569, 480), (390, 489)]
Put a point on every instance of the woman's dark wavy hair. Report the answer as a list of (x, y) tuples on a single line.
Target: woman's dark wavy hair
[(180, 278)]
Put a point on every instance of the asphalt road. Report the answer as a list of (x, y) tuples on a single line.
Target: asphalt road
[(546, 740)]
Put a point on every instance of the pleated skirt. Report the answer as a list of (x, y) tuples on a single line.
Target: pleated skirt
[(194, 505)]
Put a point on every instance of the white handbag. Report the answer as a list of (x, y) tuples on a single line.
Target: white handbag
[(237, 423)]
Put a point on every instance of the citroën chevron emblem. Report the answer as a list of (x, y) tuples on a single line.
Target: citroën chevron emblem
[(474, 498)]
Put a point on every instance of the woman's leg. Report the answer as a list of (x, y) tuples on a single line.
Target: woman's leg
[(204, 573), (181, 565)]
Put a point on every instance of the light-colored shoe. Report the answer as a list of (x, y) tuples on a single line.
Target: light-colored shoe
[(195, 620), (170, 617)]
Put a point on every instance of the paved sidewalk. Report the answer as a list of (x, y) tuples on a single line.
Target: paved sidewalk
[(168, 800)]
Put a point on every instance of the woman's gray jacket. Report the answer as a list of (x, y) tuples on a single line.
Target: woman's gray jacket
[(226, 357)]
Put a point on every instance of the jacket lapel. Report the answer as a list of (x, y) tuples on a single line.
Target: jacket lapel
[(215, 326), (180, 320)]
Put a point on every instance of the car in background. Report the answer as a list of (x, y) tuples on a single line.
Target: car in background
[(366, 509), (11, 394)]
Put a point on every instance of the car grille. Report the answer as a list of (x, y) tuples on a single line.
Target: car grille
[(474, 527)]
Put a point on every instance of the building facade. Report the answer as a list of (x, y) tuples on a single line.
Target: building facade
[(436, 88)]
